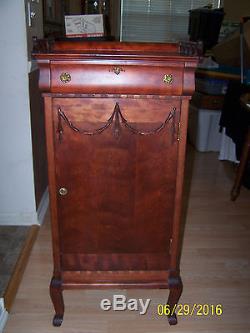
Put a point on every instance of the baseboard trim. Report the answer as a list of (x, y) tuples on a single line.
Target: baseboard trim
[(43, 206), (18, 218), (3, 315), (27, 218), (11, 290)]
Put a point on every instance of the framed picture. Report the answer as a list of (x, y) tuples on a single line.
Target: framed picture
[(84, 25)]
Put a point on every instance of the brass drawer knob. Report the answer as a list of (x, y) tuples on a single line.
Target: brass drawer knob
[(117, 70), (63, 191), (65, 77), (168, 78)]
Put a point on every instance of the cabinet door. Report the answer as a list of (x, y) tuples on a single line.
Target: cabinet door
[(116, 176)]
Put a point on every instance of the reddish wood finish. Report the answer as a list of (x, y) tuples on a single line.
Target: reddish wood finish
[(57, 300), (112, 48), (89, 77), (116, 136), (122, 279)]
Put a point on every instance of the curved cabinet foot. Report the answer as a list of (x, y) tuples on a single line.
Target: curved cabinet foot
[(235, 193), (172, 319), (175, 287), (57, 300), (57, 320)]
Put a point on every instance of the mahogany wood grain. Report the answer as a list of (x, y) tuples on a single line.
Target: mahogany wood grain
[(176, 241), (114, 261), (44, 77), (116, 123), (115, 47), (52, 185), (110, 279), (90, 64), (126, 197), (102, 78)]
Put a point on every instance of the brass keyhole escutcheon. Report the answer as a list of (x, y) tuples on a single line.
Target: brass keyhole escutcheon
[(168, 78), (117, 70), (63, 191), (65, 77)]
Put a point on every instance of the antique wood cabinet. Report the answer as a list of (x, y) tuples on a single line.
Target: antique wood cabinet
[(116, 121)]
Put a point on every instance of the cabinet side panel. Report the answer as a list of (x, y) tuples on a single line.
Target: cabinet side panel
[(176, 242), (52, 184)]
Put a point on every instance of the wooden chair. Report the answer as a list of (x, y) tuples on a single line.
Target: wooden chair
[(245, 101)]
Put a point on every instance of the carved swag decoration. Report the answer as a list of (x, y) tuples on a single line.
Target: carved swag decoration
[(117, 119)]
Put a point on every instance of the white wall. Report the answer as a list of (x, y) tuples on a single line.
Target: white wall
[(17, 198)]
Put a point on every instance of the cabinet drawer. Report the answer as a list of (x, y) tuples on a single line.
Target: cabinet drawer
[(116, 79)]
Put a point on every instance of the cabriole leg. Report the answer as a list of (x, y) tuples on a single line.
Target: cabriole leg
[(175, 286), (57, 300)]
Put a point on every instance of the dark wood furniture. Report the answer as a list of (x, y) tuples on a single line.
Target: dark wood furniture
[(245, 155), (116, 122), (38, 138)]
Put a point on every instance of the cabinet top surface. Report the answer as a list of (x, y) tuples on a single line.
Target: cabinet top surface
[(91, 49)]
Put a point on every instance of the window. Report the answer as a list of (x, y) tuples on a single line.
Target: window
[(158, 20)]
